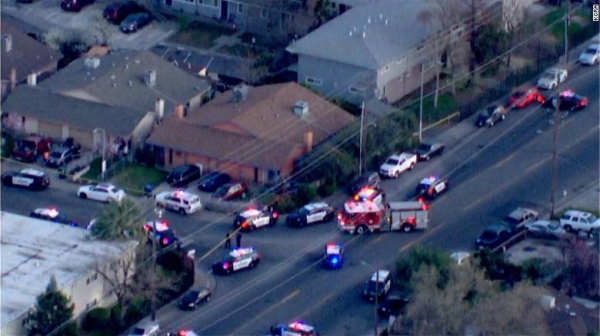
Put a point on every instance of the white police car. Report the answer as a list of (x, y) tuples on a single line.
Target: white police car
[(237, 259), (26, 178), (252, 219), (432, 186), (181, 201), (319, 212), (297, 328), (333, 256)]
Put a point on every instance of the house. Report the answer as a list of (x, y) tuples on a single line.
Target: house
[(99, 100), (22, 55), (252, 133), (34, 250), (374, 49)]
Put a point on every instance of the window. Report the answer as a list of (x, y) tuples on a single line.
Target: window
[(240, 8), (91, 304), (264, 13), (314, 81)]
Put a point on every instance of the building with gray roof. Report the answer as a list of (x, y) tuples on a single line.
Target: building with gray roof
[(34, 250)]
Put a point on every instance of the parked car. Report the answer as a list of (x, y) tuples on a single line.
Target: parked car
[(367, 180), (525, 96), (180, 201), (569, 102), (491, 115), (575, 220), (116, 12), (297, 328), (193, 298), (318, 212), (182, 175), (591, 55), (393, 305), (73, 146), (164, 235), (231, 191), (28, 149), (397, 164), (494, 236), (378, 286), (75, 5), (52, 215), (427, 150), (545, 229), (145, 329), (134, 22), (551, 78), (213, 181), (59, 157), (103, 192), (27, 178), (520, 217)]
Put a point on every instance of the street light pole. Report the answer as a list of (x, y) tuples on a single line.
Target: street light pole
[(362, 121), (158, 212), (421, 107), (567, 32), (103, 164), (554, 153)]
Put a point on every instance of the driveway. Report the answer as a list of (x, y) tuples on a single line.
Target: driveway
[(47, 16)]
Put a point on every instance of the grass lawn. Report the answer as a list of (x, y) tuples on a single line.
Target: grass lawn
[(446, 106), (133, 178), (95, 170), (558, 30), (200, 35)]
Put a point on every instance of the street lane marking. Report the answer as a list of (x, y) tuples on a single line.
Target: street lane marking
[(317, 305), (374, 241), (505, 160), (271, 307)]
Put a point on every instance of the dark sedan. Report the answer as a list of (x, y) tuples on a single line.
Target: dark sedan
[(118, 11), (494, 236), (491, 115), (134, 22), (569, 101), (393, 305), (74, 5), (193, 298), (426, 150), (213, 181)]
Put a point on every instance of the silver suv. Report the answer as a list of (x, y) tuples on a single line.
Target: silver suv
[(575, 220)]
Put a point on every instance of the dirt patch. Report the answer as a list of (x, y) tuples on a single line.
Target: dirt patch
[(200, 35), (534, 249)]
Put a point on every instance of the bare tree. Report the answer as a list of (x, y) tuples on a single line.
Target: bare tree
[(250, 67), (117, 273), (583, 271), (512, 16)]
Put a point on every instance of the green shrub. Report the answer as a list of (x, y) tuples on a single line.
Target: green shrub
[(137, 309), (97, 319), (8, 146), (285, 204), (306, 193), (327, 188)]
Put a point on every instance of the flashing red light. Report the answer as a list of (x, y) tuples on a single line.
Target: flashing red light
[(411, 220), (430, 191), (356, 197), (165, 241), (275, 214), (245, 224), (425, 207), (146, 227), (225, 265)]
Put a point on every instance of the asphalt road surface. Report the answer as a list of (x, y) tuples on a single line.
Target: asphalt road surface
[(491, 172)]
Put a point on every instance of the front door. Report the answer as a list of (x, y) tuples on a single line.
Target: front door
[(224, 10)]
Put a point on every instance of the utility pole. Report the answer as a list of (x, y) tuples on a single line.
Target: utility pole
[(376, 319), (158, 211), (567, 24), (421, 106), (554, 153), (362, 122)]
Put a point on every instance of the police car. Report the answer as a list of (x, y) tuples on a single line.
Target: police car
[(181, 201), (297, 328), (320, 212), (164, 235), (378, 286), (369, 194), (26, 178), (238, 259), (333, 256), (431, 187), (52, 215), (253, 219)]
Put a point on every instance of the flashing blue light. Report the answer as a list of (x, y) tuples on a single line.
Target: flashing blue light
[(334, 260)]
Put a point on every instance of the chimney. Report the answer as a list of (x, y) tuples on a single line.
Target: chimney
[(7, 41), (308, 141), (240, 92), (301, 108), (159, 108), (179, 111), (32, 79), (13, 78), (92, 63), (150, 78)]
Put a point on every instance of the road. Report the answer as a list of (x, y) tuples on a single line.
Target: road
[(491, 172)]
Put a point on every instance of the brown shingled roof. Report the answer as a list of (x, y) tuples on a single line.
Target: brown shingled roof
[(27, 55)]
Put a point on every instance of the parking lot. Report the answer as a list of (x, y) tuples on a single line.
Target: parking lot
[(47, 16)]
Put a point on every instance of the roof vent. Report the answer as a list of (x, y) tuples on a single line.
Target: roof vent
[(301, 108), (92, 63), (240, 92), (150, 78), (7, 40)]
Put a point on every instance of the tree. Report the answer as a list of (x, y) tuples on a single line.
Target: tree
[(488, 43), (512, 16), (119, 221), (582, 274), (52, 313), (420, 258)]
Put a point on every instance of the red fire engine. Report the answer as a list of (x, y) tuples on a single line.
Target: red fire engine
[(360, 217)]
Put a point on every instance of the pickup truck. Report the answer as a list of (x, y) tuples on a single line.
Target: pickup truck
[(397, 164)]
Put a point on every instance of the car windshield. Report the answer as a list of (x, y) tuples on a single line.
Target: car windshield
[(221, 191), (372, 285), (303, 211), (484, 114), (138, 331), (590, 51), (424, 147), (591, 219), (55, 155), (553, 227), (548, 76), (228, 258), (27, 144), (392, 162), (488, 235), (191, 295), (518, 94)]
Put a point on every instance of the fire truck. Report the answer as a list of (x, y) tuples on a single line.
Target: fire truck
[(360, 217)]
